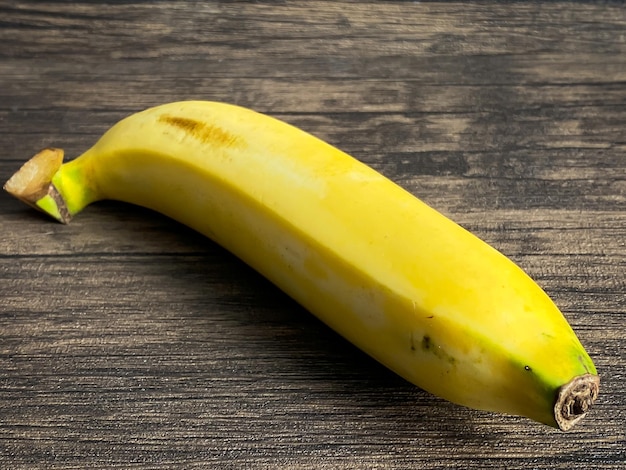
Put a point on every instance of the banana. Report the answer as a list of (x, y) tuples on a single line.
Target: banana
[(392, 275)]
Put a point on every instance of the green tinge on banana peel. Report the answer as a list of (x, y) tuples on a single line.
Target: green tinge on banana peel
[(398, 279)]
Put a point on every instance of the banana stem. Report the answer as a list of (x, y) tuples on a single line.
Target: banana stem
[(37, 184), (575, 399)]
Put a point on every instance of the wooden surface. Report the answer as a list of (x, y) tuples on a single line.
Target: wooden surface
[(128, 341)]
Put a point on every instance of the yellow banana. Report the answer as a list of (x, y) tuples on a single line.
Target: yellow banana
[(399, 280)]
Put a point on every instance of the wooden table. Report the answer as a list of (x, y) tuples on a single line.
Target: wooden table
[(128, 341)]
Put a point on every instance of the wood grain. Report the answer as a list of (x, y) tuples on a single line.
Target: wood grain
[(128, 341)]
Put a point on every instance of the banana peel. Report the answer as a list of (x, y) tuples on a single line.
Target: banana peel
[(408, 286)]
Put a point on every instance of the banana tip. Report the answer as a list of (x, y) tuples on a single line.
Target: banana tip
[(574, 400)]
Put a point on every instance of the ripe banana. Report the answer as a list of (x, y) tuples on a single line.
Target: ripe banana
[(399, 280)]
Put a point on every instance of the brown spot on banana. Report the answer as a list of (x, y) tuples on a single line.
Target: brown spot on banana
[(427, 345), (203, 131)]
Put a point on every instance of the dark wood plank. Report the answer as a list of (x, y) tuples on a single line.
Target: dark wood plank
[(128, 341)]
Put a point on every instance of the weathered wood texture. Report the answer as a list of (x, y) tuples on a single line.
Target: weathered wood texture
[(128, 341)]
